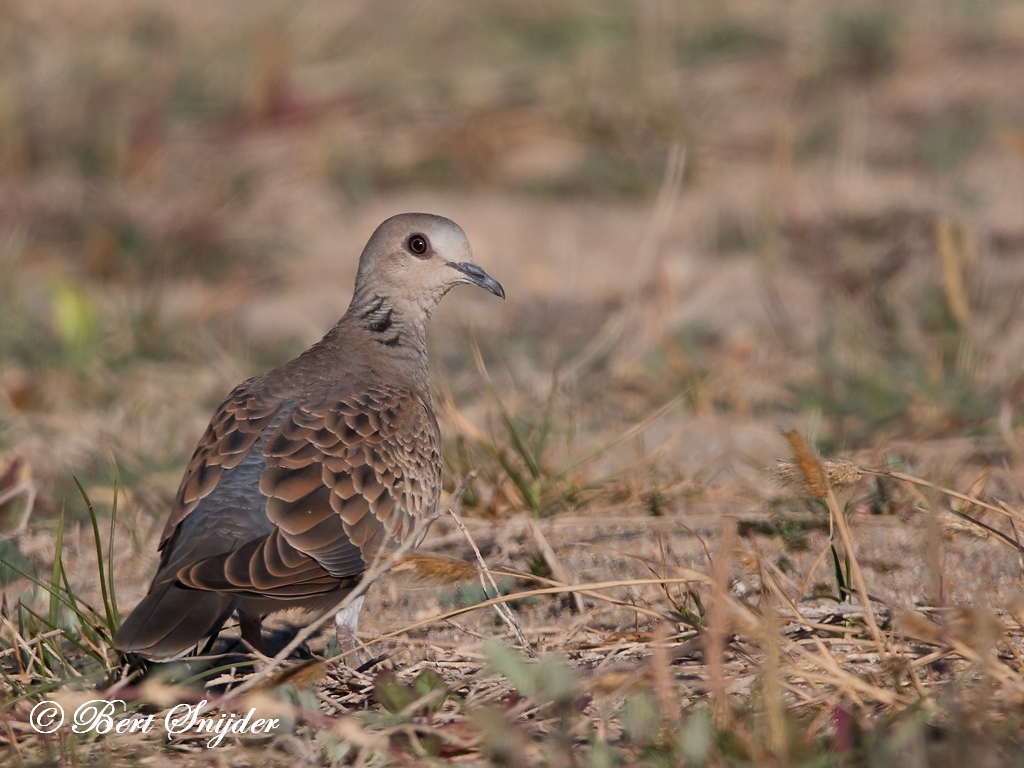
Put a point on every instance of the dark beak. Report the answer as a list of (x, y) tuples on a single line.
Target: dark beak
[(478, 277)]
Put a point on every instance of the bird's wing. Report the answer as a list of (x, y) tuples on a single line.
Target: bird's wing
[(340, 481), (227, 442)]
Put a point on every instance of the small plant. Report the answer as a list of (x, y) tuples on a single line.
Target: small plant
[(524, 461), (71, 643), (409, 705), (543, 479), (523, 458)]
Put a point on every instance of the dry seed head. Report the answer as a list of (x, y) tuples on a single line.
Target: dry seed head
[(814, 480), (840, 474), (443, 570)]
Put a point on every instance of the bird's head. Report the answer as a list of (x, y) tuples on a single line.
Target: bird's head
[(416, 258)]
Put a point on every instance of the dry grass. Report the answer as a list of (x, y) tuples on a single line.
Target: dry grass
[(787, 674), (734, 237)]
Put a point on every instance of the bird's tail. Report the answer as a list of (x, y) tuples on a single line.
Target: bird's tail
[(171, 620)]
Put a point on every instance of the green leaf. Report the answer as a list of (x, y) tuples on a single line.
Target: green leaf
[(558, 681), (431, 743), (427, 682), (640, 718), (603, 756), (511, 664), (392, 693), (697, 738), (501, 741)]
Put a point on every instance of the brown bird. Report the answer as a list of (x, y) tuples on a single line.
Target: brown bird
[(307, 471)]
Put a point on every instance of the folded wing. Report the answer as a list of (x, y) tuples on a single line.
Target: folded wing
[(340, 481)]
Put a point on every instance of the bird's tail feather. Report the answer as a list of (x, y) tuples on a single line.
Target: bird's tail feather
[(171, 620)]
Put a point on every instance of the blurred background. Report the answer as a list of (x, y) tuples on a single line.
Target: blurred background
[(762, 213), (714, 220)]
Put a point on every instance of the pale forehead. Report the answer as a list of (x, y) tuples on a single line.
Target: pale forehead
[(440, 231)]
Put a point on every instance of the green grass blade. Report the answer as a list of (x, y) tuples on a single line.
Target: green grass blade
[(115, 615), (695, 596), (99, 559), (68, 601), (58, 567), (540, 444), (519, 442), (80, 646), (838, 568), (14, 686), (85, 625), (520, 482)]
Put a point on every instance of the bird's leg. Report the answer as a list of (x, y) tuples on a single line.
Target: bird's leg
[(251, 627), (346, 621)]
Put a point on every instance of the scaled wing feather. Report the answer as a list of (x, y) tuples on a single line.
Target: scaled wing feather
[(341, 481)]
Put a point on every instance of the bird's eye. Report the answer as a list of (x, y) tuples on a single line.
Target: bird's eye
[(417, 244)]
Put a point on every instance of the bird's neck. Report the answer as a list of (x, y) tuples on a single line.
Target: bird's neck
[(392, 330)]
